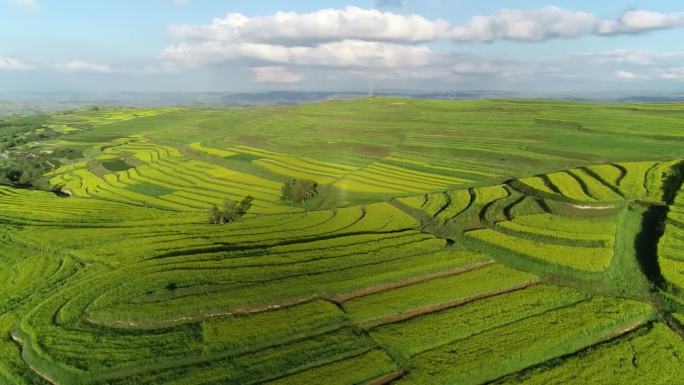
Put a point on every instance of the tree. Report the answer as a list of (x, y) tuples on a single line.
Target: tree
[(232, 211), (214, 215), (299, 190)]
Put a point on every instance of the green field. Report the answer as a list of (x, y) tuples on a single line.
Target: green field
[(450, 242)]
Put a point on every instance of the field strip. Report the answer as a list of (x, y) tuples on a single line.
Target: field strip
[(204, 316), (220, 247), (615, 334), (300, 300), (395, 285), (392, 318), (222, 355), (315, 364)]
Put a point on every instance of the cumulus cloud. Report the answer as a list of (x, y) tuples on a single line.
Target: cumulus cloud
[(352, 53), (536, 25), (83, 66), (554, 22), (353, 23), (324, 25), (348, 37), (638, 21), (26, 5), (275, 74), (12, 64), (372, 40)]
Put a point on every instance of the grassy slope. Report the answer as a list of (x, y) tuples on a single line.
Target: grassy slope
[(136, 278)]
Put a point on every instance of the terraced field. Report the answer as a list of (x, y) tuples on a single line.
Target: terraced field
[(437, 251)]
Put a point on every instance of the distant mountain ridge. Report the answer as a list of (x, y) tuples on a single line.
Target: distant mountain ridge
[(26, 103)]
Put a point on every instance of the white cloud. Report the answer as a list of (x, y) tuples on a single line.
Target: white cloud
[(348, 37), (27, 5), (275, 74), (352, 23), (291, 28), (627, 75), (12, 64), (554, 22), (638, 21), (83, 66), (536, 25), (388, 45), (351, 53)]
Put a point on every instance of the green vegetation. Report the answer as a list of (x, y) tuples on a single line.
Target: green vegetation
[(232, 211), (368, 241), (650, 355), (299, 190)]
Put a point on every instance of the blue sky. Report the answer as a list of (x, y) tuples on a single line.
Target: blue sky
[(428, 45)]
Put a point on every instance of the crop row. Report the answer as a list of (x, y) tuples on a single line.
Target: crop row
[(607, 182), (647, 355), (305, 168), (529, 341), (386, 178)]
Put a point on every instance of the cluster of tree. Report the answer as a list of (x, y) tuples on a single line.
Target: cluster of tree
[(19, 131), (21, 165), (299, 190), (232, 211), (23, 173)]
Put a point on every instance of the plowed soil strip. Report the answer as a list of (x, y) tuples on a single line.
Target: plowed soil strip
[(442, 306)]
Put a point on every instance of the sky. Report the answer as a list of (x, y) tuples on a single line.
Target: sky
[(409, 45)]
